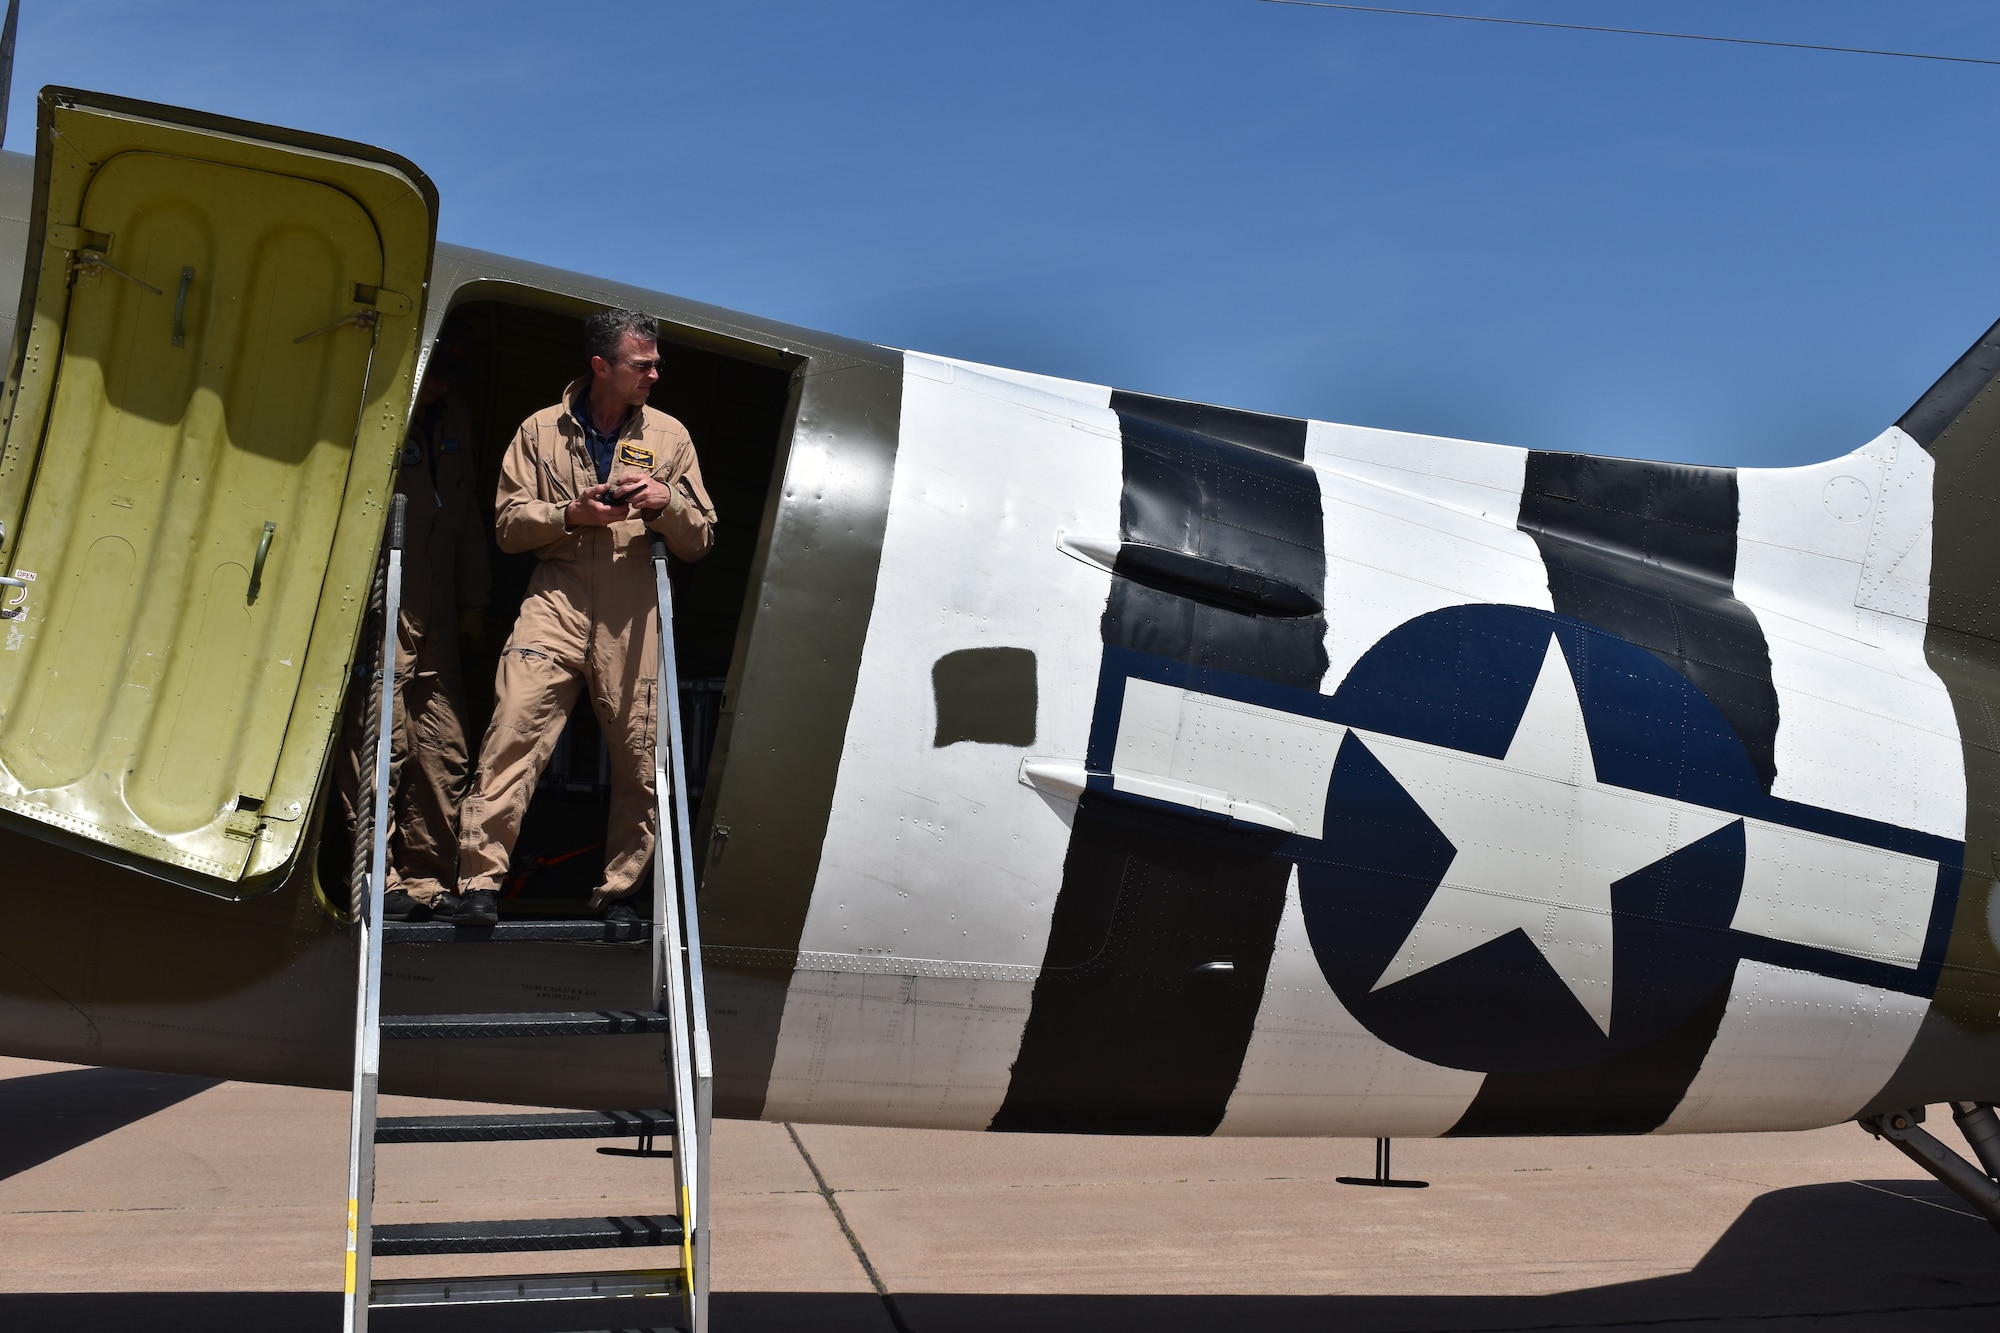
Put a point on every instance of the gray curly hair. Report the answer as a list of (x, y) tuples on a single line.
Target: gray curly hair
[(605, 330)]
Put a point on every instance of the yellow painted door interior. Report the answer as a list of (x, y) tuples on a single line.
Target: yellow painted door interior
[(183, 505)]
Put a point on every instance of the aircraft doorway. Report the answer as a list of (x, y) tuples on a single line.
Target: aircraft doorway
[(515, 359)]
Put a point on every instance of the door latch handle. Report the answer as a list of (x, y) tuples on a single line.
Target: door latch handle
[(180, 307), (257, 569), (90, 261), (363, 319)]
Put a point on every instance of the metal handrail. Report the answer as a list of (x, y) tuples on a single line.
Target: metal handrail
[(368, 940), (677, 957)]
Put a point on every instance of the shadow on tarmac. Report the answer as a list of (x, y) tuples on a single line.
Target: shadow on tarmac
[(43, 1116), (1857, 1257)]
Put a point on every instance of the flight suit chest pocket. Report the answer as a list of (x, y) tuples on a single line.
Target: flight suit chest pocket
[(633, 460)]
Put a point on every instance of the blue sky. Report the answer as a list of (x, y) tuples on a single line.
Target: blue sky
[(1563, 240)]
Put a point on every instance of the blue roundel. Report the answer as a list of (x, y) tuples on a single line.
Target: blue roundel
[(1459, 681)]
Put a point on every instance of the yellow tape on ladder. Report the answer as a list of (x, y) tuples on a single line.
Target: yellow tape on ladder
[(687, 1243), (353, 1214)]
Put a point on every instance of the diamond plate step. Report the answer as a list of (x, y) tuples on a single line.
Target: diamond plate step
[(602, 1023), (518, 1235), (640, 1283), (507, 1128), (582, 931)]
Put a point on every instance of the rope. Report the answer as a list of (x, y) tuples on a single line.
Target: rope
[(371, 725)]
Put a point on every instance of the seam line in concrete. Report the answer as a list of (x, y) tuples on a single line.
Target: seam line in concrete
[(853, 1241), (1911, 1198)]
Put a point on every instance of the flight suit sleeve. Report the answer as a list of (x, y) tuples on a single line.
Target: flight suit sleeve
[(525, 516), (688, 521)]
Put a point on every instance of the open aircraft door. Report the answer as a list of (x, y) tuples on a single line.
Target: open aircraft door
[(210, 381)]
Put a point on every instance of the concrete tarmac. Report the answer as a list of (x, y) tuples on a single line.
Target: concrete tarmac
[(149, 1202)]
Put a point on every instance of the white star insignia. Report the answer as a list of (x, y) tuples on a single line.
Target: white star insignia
[(1539, 842)]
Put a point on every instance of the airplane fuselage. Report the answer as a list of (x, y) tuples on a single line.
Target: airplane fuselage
[(1095, 762)]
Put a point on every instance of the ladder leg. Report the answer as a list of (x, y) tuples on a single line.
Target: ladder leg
[(368, 985), (701, 1058), (698, 1224), (677, 960), (360, 1203)]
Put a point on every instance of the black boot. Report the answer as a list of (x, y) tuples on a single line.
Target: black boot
[(481, 907), (400, 906)]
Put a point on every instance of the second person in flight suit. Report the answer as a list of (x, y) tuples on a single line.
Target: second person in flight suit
[(446, 585)]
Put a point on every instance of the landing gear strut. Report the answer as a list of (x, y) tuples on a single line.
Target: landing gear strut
[(1383, 1175), (1980, 1188)]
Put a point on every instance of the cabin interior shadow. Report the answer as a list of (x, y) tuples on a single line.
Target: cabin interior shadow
[(518, 356)]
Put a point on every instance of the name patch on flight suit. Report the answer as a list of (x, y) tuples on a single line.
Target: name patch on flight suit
[(448, 445), (637, 456)]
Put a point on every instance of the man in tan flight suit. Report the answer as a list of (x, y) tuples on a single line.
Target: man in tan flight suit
[(446, 584), (581, 485)]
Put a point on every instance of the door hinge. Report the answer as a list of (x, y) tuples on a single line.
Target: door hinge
[(385, 301), (63, 236)]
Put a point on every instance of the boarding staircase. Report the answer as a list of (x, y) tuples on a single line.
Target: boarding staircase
[(669, 1294)]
